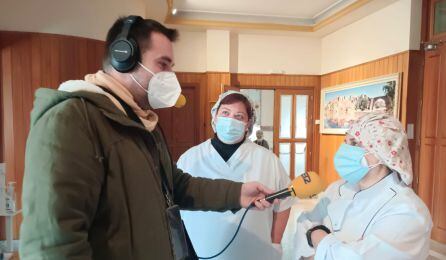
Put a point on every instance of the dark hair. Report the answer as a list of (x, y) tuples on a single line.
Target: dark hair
[(141, 32), (234, 98)]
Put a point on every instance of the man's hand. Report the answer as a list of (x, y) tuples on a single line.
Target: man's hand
[(254, 192)]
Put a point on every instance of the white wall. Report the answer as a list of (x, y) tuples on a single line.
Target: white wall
[(190, 52), (84, 18), (415, 24), (391, 30), (217, 50), (279, 54), (383, 33), (220, 50)]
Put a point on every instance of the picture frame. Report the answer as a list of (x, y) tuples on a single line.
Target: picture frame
[(343, 104)]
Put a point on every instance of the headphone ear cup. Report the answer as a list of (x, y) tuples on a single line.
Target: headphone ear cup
[(124, 54), (135, 55)]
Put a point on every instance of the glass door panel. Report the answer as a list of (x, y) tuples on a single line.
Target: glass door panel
[(285, 116)]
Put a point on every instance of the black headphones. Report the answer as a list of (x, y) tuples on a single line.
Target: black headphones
[(124, 51)]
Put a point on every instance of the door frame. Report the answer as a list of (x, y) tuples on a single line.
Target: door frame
[(430, 21), (314, 135), (197, 125), (428, 181), (310, 126)]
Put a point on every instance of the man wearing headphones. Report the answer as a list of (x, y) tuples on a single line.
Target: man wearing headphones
[(99, 181)]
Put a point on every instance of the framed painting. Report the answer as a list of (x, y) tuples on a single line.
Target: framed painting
[(343, 104)]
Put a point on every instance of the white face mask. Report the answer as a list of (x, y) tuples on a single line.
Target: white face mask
[(163, 89)]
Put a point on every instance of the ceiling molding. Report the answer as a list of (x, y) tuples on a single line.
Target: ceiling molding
[(239, 25), (175, 20), (341, 13)]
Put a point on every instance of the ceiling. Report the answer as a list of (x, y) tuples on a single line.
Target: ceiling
[(304, 12), (319, 17)]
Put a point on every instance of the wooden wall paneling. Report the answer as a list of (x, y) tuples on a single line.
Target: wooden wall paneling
[(328, 147), (36, 67), (45, 62), (30, 61), (55, 66), (2, 144), (403, 66), (8, 113), (198, 80), (414, 106), (22, 105), (2, 147), (69, 60), (215, 82), (316, 127), (274, 80), (81, 63)]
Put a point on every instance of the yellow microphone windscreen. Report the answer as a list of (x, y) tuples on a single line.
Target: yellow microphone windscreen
[(181, 101), (306, 185)]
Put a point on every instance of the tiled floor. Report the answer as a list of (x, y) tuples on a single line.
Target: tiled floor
[(438, 251)]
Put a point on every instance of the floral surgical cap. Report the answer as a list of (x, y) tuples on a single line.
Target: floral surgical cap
[(383, 136), (217, 104)]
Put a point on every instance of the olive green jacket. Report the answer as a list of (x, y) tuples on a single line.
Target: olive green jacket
[(92, 186)]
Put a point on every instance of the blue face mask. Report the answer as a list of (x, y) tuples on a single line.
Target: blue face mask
[(229, 130), (350, 163)]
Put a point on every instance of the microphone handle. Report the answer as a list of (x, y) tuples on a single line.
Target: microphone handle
[(278, 195)]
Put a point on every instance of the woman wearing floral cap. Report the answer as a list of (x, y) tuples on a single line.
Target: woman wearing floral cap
[(372, 212)]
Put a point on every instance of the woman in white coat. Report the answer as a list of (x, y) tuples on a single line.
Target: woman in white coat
[(371, 213), (231, 155)]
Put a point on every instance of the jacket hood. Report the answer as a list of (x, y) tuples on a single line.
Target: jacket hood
[(45, 98)]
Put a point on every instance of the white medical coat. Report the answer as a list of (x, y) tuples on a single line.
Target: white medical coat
[(385, 221), (211, 231)]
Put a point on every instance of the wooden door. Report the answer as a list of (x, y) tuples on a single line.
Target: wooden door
[(180, 125), (432, 166), (293, 130)]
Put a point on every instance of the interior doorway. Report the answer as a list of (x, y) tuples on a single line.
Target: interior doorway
[(263, 100), (293, 138), (432, 160), (180, 125)]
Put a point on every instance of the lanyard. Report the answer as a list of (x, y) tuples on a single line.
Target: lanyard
[(132, 115)]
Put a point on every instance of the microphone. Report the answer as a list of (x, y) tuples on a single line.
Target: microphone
[(304, 186), (181, 101)]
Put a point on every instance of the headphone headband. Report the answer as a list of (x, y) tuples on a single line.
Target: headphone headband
[(129, 21)]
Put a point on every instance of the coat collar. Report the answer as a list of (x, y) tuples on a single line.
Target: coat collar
[(370, 200)]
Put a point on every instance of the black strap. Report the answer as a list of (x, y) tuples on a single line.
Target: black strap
[(310, 231), (165, 187), (128, 110), (132, 115)]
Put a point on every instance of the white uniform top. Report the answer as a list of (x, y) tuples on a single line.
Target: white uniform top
[(385, 221), (211, 231)]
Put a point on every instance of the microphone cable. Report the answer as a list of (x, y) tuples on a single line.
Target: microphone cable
[(233, 237)]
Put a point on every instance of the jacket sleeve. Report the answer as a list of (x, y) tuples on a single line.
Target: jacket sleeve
[(402, 235), (61, 188), (309, 219), (195, 193)]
